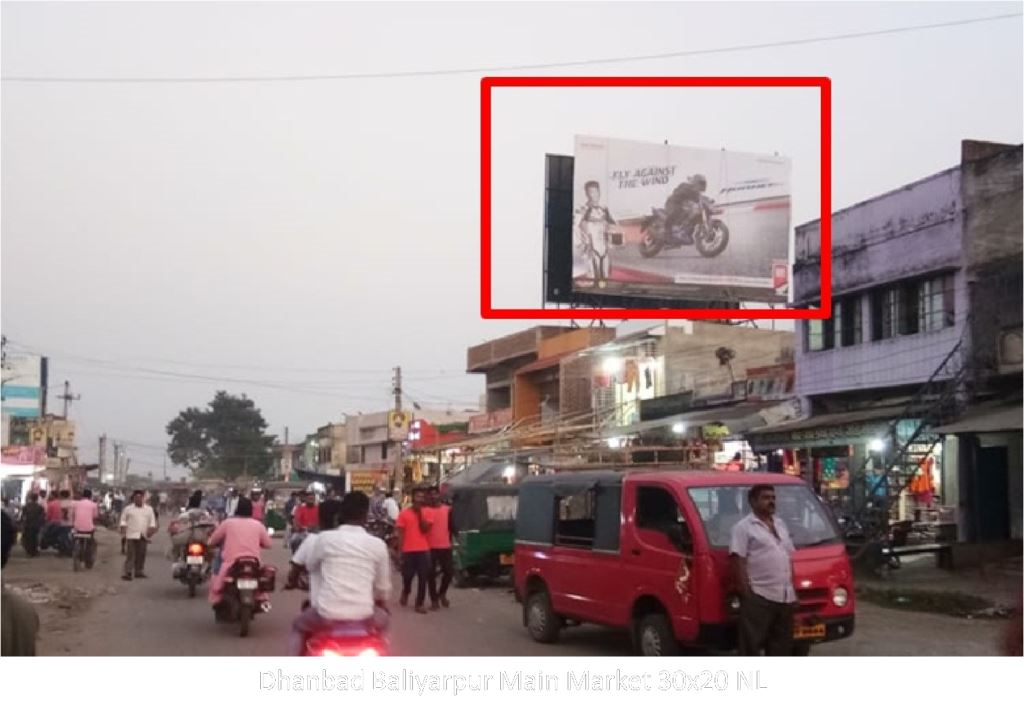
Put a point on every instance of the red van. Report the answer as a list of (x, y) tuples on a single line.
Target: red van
[(647, 551)]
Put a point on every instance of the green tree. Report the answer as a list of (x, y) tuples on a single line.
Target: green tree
[(224, 440)]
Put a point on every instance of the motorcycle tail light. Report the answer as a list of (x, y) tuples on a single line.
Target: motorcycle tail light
[(196, 549), (321, 647)]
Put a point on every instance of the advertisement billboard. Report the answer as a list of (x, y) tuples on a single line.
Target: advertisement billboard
[(661, 221), (23, 391), (398, 425)]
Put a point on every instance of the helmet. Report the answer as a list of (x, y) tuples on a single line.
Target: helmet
[(699, 181)]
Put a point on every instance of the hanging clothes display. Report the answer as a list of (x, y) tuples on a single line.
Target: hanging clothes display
[(922, 485), (631, 376)]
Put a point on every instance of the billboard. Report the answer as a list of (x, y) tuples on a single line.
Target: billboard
[(398, 425), (23, 391), (669, 222)]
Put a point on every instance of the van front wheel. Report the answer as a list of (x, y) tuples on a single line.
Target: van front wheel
[(542, 623), (655, 637)]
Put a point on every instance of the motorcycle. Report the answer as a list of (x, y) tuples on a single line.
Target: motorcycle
[(343, 639), (245, 592), (83, 551), (385, 530), (57, 537), (347, 639), (710, 235), (194, 567)]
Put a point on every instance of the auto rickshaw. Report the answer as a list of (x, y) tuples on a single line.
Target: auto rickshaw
[(483, 522)]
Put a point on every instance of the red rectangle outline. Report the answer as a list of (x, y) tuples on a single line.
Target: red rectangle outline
[(824, 84)]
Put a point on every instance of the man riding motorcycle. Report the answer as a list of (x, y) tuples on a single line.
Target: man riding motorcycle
[(240, 536), (682, 208), (354, 577)]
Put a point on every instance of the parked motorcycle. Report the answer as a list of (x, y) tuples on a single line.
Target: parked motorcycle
[(710, 235), (245, 592), (83, 550)]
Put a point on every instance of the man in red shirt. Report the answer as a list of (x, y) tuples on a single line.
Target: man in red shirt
[(307, 514), (412, 527), (440, 541)]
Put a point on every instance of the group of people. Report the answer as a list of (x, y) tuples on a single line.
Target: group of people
[(43, 516)]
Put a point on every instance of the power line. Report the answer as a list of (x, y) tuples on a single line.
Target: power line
[(516, 67)]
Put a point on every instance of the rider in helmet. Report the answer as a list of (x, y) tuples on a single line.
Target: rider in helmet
[(682, 208)]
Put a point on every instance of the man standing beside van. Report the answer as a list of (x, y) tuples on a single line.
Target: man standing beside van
[(760, 550)]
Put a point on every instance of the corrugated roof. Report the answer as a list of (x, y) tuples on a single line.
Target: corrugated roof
[(986, 418), (829, 419)]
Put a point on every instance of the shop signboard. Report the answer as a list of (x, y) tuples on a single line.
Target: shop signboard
[(627, 194), (398, 425), (367, 481), (23, 390), (24, 456)]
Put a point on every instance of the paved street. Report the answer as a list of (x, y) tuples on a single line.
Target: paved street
[(155, 617)]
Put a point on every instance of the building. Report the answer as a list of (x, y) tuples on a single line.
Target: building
[(499, 359), (914, 321)]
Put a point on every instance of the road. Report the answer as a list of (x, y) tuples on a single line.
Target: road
[(155, 617)]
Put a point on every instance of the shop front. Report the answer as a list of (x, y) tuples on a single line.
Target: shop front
[(847, 457)]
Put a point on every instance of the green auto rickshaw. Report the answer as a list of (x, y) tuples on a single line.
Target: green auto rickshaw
[(483, 522)]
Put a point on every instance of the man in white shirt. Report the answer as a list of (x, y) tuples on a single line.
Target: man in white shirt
[(354, 576), (138, 524), (760, 550), (391, 506)]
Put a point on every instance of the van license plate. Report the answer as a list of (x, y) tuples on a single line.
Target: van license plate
[(507, 559), (195, 560), (809, 632), (248, 583)]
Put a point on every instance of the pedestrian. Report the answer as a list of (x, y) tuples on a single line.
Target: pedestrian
[(53, 515), (154, 503), (258, 506), (66, 506), (413, 526), (760, 550), (391, 507), (440, 541), (20, 623), (231, 503), (33, 517), (138, 524)]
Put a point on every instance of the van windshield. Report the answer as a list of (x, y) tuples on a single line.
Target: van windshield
[(721, 507)]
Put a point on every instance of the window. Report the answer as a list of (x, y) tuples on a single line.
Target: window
[(908, 308), (721, 507), (937, 303), (656, 509), (820, 334), (575, 524), (383, 451), (502, 508), (846, 319)]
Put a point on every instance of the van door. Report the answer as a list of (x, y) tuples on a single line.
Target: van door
[(658, 551), (586, 556)]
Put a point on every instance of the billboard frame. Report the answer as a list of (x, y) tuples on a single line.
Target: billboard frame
[(489, 83)]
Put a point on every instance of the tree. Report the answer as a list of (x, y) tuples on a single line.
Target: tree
[(224, 440)]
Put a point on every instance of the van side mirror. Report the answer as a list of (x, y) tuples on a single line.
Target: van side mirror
[(679, 535)]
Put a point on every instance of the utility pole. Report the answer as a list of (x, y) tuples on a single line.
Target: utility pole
[(286, 458), (399, 476), (103, 458), (117, 463), (165, 468), (68, 398)]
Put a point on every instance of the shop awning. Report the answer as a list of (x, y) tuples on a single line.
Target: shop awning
[(739, 419), (834, 419), (985, 418)]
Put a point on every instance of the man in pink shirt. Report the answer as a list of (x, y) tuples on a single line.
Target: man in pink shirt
[(240, 536), (440, 540), (84, 513)]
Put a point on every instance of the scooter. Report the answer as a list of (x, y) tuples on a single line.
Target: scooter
[(245, 593)]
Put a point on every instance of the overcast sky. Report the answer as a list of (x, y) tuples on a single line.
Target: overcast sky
[(295, 240)]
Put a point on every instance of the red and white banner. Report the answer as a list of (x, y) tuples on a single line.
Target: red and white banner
[(24, 456)]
